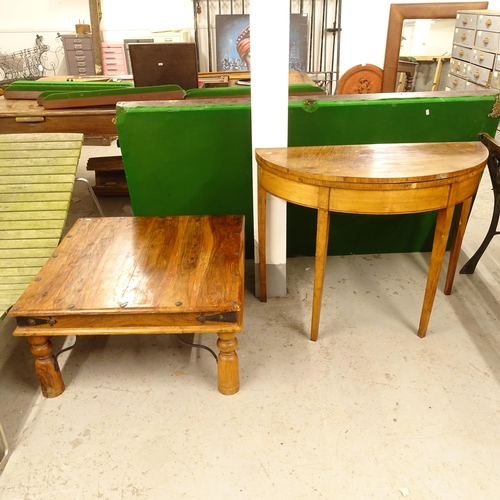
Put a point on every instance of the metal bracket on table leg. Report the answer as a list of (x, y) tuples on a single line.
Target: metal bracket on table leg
[(56, 363), (199, 346), (91, 191)]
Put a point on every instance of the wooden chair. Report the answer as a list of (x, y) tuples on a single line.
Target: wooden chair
[(37, 174), (494, 170)]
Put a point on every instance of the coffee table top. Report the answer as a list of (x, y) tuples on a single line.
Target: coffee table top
[(141, 265)]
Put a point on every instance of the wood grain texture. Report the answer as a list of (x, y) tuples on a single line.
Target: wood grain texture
[(373, 163), (48, 372), (374, 179), (26, 117), (151, 264)]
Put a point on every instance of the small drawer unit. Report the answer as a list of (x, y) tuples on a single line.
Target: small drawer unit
[(475, 51), (483, 59), (487, 40), (495, 80), (462, 53), (458, 68), (79, 54), (478, 75), (171, 36), (466, 20), (489, 21), (113, 59), (464, 37), (454, 82)]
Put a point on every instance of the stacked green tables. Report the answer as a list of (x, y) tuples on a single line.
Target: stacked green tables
[(195, 157)]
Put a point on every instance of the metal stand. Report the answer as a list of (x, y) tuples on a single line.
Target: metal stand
[(91, 191), (5, 446), (494, 170)]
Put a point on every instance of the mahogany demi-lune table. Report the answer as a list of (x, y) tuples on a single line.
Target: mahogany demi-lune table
[(377, 179), (138, 275)]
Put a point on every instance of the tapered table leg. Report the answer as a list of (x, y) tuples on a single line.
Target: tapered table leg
[(48, 372), (457, 244), (322, 232), (228, 366), (262, 242), (443, 224)]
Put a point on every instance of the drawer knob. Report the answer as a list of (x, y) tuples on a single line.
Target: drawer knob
[(464, 36), (489, 22), (461, 53), (455, 82), (481, 58), (476, 74), (486, 41), (465, 21), (457, 68)]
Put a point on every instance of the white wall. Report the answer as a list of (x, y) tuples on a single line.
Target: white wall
[(132, 18), (364, 23), (21, 21)]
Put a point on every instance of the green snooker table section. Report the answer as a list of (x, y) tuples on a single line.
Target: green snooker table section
[(195, 157)]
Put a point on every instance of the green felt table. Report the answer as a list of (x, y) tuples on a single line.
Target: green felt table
[(195, 157)]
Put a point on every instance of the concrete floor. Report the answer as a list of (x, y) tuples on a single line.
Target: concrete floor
[(370, 411)]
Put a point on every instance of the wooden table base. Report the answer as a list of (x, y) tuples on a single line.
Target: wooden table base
[(52, 384), (374, 179)]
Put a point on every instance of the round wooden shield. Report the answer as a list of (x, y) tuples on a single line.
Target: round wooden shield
[(361, 79)]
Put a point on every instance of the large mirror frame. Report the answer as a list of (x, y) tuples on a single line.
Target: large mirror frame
[(401, 11)]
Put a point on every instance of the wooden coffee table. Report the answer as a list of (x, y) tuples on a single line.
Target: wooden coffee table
[(139, 275)]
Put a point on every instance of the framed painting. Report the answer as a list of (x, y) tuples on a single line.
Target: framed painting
[(232, 33)]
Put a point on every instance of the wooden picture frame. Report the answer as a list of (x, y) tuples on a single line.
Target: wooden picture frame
[(401, 11)]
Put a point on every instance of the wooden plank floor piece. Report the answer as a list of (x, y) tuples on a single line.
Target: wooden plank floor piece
[(37, 173)]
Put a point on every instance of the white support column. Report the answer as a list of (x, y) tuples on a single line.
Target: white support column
[(269, 34)]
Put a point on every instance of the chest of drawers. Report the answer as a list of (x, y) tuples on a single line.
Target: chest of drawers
[(113, 59), (171, 36), (476, 51), (79, 54)]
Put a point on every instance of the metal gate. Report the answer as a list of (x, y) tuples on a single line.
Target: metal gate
[(321, 41)]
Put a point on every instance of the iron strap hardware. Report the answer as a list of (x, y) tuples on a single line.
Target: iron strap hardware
[(227, 317), (26, 321)]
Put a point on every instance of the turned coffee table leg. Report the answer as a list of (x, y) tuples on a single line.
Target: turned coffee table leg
[(50, 377), (443, 224), (228, 367)]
